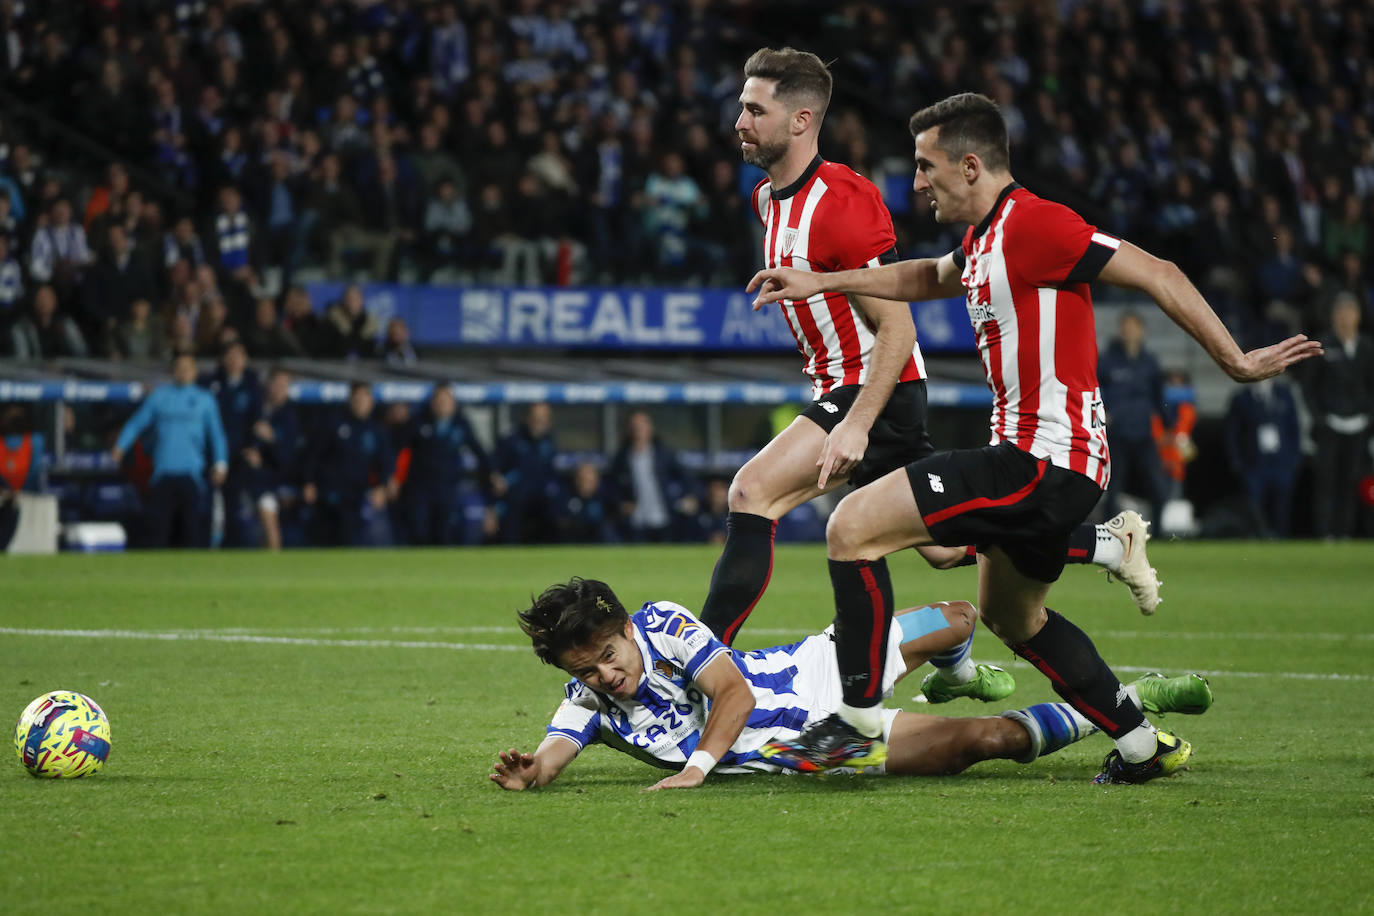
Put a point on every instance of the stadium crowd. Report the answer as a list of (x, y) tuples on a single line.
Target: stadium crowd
[(169, 170)]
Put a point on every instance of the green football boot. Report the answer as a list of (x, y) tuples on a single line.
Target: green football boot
[(1188, 694), (990, 683)]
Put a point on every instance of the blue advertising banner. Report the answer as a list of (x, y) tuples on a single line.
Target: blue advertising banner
[(316, 392), (611, 317)]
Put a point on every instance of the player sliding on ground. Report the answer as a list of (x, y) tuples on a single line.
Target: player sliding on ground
[(659, 686)]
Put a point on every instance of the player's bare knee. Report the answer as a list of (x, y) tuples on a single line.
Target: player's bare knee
[(961, 615), (845, 533), (745, 493)]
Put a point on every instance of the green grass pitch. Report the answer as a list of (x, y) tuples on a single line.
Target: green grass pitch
[(311, 732)]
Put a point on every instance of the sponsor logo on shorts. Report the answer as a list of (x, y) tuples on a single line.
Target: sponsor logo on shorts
[(829, 407), (937, 485)]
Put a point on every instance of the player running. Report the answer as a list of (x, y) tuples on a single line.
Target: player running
[(868, 416), (657, 685), (1024, 267)]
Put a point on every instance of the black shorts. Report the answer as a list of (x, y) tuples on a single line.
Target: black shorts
[(1001, 496), (898, 436)]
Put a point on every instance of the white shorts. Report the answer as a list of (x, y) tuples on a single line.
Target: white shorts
[(818, 674)]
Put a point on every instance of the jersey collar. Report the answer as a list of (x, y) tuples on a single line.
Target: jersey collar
[(987, 220), (800, 183)]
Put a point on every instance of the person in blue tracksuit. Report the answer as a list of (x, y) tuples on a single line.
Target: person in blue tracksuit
[(184, 421), (1132, 393), (444, 453), (529, 484), (348, 473), (1264, 446), (239, 394), (276, 443)]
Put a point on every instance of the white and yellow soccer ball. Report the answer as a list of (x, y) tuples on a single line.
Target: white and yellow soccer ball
[(62, 735)]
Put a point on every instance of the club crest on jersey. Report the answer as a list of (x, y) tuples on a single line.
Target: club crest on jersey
[(789, 241), (665, 668)]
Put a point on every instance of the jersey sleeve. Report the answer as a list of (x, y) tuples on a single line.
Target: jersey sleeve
[(1052, 246), (857, 230), (578, 717), (678, 636), (758, 200)]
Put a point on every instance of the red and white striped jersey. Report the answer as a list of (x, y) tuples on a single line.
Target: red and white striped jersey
[(1026, 268), (829, 219)]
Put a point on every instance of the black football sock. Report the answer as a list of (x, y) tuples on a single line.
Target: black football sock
[(741, 574), (863, 615), (1082, 544), (1066, 656)]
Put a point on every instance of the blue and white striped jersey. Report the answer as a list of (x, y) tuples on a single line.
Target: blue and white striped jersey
[(665, 720)]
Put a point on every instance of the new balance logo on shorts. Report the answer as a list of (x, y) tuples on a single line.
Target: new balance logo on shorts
[(936, 484), (829, 408)]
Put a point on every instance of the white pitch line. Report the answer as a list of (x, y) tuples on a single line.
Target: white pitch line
[(267, 640), (787, 632), (210, 636)]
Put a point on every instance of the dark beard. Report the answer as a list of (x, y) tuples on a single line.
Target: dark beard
[(765, 155)]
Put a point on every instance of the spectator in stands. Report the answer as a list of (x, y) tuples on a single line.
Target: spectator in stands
[(352, 329), (447, 228), (47, 333), (338, 215), (110, 287), (58, 253), (238, 394), (181, 336), (185, 423), (445, 461), (11, 284), (672, 201), (396, 348), (211, 323), (139, 337), (1264, 448), (1133, 395), (1340, 397), (276, 445), (286, 224), (587, 515), (265, 337), (392, 203), (301, 322), (527, 479), (182, 244), (657, 495), (234, 235), (348, 473)]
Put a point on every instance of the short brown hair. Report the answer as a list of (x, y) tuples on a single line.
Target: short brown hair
[(969, 123), (798, 75)]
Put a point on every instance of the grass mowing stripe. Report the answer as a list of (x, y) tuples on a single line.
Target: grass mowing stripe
[(212, 636)]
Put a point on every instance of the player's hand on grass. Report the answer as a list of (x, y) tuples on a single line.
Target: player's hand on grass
[(689, 778), (777, 283), (842, 451), (1267, 362), (514, 770)]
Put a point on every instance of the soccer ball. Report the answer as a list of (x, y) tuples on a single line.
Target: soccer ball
[(62, 735)]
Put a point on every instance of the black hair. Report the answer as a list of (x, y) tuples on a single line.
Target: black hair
[(569, 615), (969, 123)]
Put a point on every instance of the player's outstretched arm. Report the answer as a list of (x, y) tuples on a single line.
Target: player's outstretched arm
[(514, 770), (903, 281), (1177, 297), (731, 703)]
